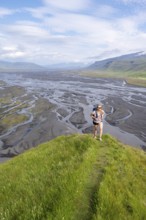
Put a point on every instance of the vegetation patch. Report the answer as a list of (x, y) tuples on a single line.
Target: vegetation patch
[(2, 83), (137, 81), (75, 177), (42, 105), (13, 119), (134, 78), (5, 101)]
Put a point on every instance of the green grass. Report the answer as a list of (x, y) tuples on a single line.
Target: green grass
[(137, 81), (13, 119), (134, 78), (5, 101), (75, 178)]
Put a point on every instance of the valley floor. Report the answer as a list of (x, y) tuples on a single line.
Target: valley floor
[(41, 108)]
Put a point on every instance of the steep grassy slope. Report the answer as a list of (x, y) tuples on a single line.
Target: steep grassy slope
[(75, 178)]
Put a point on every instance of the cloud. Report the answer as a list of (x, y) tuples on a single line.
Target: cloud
[(40, 12), (105, 54), (6, 11), (9, 48), (63, 32), (13, 55), (12, 52), (105, 11), (26, 29), (141, 2), (74, 5), (54, 40)]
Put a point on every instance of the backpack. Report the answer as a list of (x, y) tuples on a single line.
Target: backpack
[(95, 107), (94, 110), (96, 119)]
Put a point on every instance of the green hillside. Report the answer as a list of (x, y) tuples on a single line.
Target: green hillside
[(134, 62), (75, 178), (134, 78), (130, 67)]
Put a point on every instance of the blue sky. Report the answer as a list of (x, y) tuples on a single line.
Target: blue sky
[(58, 31)]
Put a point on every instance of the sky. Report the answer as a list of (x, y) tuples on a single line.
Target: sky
[(64, 31)]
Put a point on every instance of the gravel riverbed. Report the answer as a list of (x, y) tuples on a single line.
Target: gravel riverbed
[(59, 103)]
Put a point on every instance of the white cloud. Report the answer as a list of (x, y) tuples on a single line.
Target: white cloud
[(6, 11), (11, 51), (134, 1), (13, 55), (105, 10), (55, 40), (40, 12), (68, 5), (63, 35), (9, 48), (26, 29)]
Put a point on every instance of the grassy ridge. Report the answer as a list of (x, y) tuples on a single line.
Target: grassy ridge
[(75, 178), (122, 194)]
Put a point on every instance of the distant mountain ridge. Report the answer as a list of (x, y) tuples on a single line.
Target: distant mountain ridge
[(130, 62), (134, 62), (6, 66), (67, 65), (19, 66)]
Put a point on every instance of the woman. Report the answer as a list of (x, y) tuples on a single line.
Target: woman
[(97, 116)]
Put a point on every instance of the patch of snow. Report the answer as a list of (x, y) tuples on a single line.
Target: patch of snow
[(141, 53)]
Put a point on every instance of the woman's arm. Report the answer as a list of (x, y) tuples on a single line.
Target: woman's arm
[(102, 114)]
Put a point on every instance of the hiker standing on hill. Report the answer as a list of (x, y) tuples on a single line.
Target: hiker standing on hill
[(97, 116)]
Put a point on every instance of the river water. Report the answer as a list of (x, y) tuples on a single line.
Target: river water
[(72, 92)]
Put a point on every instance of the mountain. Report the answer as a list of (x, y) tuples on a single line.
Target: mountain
[(135, 62), (26, 66), (67, 66), (75, 177), (19, 66)]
